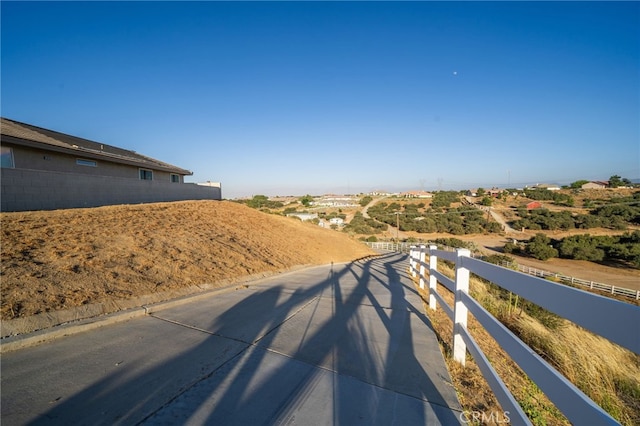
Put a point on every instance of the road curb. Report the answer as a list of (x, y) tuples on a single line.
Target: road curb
[(21, 341), (52, 327), (48, 332)]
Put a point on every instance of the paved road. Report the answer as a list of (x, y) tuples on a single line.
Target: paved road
[(341, 344)]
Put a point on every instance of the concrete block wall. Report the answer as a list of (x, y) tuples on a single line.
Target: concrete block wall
[(25, 189)]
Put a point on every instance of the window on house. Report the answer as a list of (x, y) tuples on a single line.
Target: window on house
[(90, 163), (175, 178), (146, 174), (6, 155)]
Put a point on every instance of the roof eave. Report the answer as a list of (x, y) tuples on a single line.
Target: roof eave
[(86, 153)]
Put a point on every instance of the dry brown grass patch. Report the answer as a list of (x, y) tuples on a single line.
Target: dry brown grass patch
[(60, 259), (607, 373)]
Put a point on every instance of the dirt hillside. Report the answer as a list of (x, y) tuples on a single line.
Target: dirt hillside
[(67, 258)]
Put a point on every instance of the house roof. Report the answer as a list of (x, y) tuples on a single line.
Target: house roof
[(37, 137)]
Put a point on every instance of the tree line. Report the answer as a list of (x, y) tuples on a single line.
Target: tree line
[(623, 248), (625, 212), (439, 217)]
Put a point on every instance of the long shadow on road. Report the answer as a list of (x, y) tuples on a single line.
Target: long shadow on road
[(350, 348)]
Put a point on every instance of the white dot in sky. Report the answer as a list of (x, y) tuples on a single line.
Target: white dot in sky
[(455, 73)]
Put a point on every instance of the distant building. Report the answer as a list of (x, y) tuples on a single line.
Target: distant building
[(211, 184), (534, 205), (304, 216), (493, 192), (336, 221), (379, 193), (335, 201), (595, 185), (416, 194), (547, 186)]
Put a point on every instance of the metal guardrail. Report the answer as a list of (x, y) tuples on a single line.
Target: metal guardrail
[(606, 317)]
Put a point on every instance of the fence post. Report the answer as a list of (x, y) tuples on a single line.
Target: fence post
[(433, 281), (422, 256), (412, 260), (459, 309)]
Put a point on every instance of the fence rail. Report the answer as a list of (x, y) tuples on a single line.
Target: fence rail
[(399, 247), (592, 285), (565, 279), (607, 317)]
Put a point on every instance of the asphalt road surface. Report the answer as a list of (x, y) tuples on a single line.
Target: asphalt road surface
[(339, 344)]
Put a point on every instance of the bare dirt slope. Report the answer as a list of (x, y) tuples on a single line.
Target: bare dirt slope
[(67, 258)]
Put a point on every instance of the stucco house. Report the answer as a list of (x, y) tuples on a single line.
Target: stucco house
[(43, 170), (595, 185)]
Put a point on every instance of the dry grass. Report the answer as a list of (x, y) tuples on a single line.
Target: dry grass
[(66, 258), (607, 373)]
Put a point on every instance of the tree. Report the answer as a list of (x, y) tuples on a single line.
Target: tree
[(258, 201), (615, 181), (540, 247), (578, 184), (365, 200), (486, 201), (306, 200)]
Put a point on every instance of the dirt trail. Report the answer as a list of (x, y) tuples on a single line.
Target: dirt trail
[(67, 258)]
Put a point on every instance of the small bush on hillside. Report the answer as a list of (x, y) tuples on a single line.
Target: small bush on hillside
[(361, 225), (499, 259), (365, 200), (511, 247), (540, 247), (452, 242)]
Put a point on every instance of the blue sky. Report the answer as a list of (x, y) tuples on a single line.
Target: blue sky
[(281, 98)]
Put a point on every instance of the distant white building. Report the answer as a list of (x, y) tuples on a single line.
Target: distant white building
[(211, 184), (335, 201), (416, 194), (547, 186), (304, 216), (336, 221), (379, 192)]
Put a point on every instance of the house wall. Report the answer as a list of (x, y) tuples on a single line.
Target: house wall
[(27, 189), (37, 159), (593, 185)]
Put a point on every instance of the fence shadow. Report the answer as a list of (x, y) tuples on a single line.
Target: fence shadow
[(265, 378)]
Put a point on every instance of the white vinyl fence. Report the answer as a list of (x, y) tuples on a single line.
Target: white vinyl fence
[(612, 319), (399, 247), (591, 285)]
